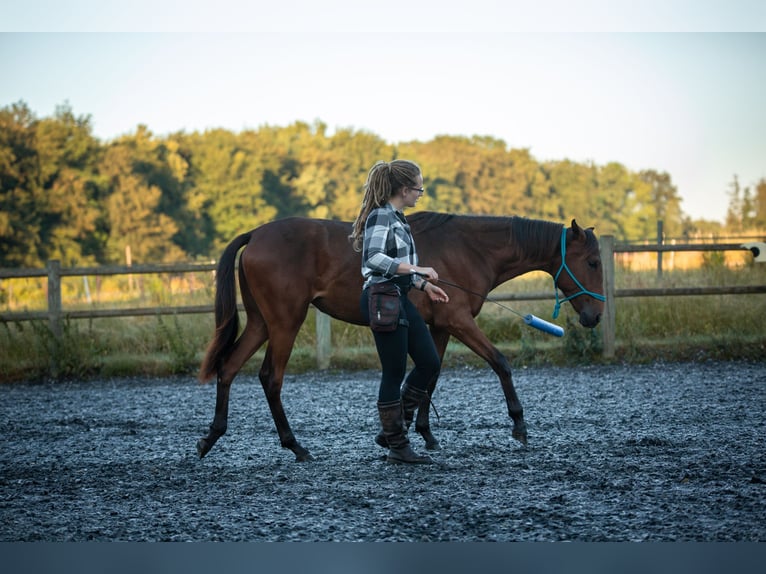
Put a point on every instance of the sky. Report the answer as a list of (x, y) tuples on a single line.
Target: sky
[(675, 86)]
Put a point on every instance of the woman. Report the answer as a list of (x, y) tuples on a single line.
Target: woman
[(388, 251)]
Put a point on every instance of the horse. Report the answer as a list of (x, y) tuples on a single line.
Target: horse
[(291, 263)]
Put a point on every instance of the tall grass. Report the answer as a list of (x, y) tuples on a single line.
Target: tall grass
[(648, 328)]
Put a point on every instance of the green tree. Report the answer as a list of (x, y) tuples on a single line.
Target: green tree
[(48, 196), (526, 191), (135, 221), (442, 193), (617, 198), (748, 209), (226, 173), (19, 225), (464, 175), (64, 194), (573, 185), (665, 203), (355, 152), (68, 154), (736, 208)]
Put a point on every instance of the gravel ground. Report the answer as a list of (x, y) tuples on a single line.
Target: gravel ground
[(661, 452)]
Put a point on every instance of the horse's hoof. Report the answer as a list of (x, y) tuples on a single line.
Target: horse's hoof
[(520, 434), (301, 454), (203, 447), (304, 457), (431, 442)]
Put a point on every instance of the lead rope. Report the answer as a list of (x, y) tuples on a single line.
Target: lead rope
[(433, 407), (482, 297)]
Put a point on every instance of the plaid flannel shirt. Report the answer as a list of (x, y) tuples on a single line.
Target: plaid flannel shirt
[(387, 242)]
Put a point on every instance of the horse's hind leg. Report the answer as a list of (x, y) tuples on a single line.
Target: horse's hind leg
[(247, 344), (220, 420), (272, 376)]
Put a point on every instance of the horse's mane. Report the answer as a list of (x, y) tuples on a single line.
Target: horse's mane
[(425, 220), (536, 236)]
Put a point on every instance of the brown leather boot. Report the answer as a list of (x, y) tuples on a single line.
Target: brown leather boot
[(395, 434), (412, 398)]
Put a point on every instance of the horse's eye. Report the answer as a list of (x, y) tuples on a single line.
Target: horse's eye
[(593, 264)]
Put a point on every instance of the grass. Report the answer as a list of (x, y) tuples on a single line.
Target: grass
[(686, 328)]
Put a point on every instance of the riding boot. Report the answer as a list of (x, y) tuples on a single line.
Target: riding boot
[(412, 398), (395, 434)]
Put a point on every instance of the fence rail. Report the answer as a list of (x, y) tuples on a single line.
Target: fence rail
[(55, 313), (662, 247)]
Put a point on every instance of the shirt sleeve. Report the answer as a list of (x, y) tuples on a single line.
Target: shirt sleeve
[(374, 256)]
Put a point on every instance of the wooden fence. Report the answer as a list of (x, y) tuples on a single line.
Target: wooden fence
[(55, 313), (609, 248)]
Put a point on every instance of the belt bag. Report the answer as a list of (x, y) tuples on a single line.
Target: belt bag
[(385, 307)]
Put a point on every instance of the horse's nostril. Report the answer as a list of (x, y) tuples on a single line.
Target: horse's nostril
[(590, 321)]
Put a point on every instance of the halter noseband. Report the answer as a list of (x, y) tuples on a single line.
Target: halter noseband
[(565, 267)]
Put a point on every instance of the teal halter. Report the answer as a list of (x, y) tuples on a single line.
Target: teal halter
[(565, 267)]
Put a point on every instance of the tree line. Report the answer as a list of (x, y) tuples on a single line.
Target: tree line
[(66, 195)]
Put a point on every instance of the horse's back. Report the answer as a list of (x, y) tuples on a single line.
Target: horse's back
[(299, 260), (297, 241)]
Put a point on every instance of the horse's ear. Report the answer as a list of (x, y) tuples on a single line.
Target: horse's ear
[(576, 230)]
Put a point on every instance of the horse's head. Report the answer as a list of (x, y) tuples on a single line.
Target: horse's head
[(580, 275)]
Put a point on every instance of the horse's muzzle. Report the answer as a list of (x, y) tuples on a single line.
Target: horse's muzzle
[(589, 320)]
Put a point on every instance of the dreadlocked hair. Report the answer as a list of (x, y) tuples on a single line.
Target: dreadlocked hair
[(383, 181)]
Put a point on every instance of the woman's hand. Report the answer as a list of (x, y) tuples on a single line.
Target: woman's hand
[(425, 272), (436, 294)]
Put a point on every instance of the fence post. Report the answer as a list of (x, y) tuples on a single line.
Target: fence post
[(660, 241), (608, 320), (54, 312), (323, 340)]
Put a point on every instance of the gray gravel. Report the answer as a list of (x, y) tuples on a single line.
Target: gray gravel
[(662, 452)]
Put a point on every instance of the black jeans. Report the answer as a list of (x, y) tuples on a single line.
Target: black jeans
[(394, 347)]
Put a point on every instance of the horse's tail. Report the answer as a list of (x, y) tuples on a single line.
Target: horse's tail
[(226, 315)]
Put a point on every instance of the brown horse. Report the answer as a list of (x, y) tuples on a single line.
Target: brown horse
[(291, 263)]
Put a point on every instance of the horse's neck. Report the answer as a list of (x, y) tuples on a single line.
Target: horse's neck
[(531, 247), (503, 247)]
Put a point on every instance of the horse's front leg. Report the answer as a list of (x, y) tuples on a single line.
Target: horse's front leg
[(515, 410), (472, 337)]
